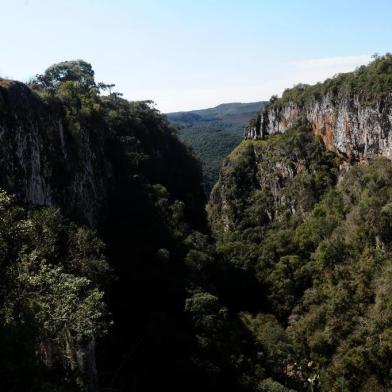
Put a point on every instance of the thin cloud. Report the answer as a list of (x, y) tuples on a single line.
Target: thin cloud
[(330, 62)]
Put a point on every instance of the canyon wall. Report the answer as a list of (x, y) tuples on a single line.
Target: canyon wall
[(42, 163), (353, 129)]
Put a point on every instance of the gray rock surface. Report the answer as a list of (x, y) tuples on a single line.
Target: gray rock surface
[(355, 131)]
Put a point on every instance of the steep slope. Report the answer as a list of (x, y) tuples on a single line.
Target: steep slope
[(42, 163), (286, 174), (293, 294), (318, 243), (57, 149), (76, 311), (213, 133), (351, 112), (302, 206)]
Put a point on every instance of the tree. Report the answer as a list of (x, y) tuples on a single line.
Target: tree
[(77, 71)]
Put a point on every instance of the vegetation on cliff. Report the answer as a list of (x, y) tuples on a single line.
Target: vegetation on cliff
[(370, 84), (213, 133), (52, 300), (291, 292), (61, 302), (141, 307), (320, 252)]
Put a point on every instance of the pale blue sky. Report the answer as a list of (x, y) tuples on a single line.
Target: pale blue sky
[(187, 54)]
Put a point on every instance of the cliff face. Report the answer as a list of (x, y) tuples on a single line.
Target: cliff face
[(41, 163), (270, 180), (346, 125), (67, 154), (119, 167), (317, 238)]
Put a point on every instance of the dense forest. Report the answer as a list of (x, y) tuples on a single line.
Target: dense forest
[(118, 274), (213, 133), (309, 229), (318, 250), (103, 305)]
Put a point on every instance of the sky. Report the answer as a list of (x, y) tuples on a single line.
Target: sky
[(192, 54)]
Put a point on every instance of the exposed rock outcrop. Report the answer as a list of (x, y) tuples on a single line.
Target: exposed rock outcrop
[(347, 126), (41, 163), (282, 175)]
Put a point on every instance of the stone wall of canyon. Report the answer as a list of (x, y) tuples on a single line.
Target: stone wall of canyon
[(347, 126)]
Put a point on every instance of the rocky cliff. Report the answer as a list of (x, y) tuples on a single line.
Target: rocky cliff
[(279, 177), (316, 238), (117, 166), (351, 112), (42, 163)]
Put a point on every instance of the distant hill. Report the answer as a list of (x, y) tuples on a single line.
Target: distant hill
[(213, 133)]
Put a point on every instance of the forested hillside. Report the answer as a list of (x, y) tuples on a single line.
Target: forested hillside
[(319, 250), (213, 133), (118, 275), (308, 226), (103, 245)]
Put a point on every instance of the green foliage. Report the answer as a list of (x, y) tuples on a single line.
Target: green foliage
[(274, 180), (294, 295), (152, 220), (321, 250), (62, 305), (269, 385), (155, 236), (338, 317), (213, 134), (224, 345), (207, 315), (49, 285), (369, 84), (59, 74)]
